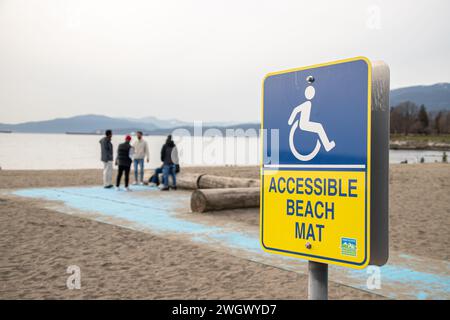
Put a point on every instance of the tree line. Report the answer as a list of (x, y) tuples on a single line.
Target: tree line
[(408, 118)]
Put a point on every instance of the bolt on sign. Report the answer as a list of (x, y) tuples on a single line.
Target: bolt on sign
[(324, 190)]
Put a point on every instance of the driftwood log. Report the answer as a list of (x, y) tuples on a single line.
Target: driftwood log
[(188, 180), (203, 200), (213, 182), (206, 181)]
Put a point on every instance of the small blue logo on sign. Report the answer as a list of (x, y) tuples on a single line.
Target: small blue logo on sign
[(348, 247)]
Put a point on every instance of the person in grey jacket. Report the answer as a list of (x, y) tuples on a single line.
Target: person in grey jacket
[(106, 148)]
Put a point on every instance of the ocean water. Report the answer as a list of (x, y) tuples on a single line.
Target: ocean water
[(32, 151)]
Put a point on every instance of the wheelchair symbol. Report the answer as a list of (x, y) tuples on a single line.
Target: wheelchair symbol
[(303, 123)]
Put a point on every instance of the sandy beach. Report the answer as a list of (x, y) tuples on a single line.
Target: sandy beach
[(37, 245)]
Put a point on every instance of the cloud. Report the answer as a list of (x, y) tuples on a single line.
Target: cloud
[(199, 59)]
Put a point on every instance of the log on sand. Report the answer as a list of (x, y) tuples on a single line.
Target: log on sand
[(203, 200), (188, 180), (206, 181), (213, 182)]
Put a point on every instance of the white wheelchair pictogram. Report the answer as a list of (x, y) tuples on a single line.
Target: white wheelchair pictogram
[(303, 123)]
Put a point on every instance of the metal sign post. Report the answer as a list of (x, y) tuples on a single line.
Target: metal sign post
[(317, 281)]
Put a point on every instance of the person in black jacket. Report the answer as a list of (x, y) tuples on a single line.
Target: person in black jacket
[(123, 160), (106, 149), (169, 157)]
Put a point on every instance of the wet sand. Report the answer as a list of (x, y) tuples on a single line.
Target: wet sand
[(12, 179), (37, 245)]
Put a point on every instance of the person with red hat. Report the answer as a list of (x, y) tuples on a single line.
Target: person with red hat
[(123, 160)]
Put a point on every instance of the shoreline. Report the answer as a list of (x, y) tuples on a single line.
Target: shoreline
[(190, 168), (420, 142), (412, 147)]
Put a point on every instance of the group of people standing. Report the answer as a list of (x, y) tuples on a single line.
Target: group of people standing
[(136, 154)]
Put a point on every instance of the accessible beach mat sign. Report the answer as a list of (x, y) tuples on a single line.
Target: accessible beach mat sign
[(316, 162)]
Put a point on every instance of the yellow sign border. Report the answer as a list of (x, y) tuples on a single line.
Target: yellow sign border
[(366, 261)]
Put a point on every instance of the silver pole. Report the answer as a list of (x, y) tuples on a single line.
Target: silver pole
[(317, 281)]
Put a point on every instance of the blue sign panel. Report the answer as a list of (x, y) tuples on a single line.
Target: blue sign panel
[(321, 114)]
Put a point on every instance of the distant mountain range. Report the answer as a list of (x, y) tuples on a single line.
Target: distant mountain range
[(85, 123), (97, 124), (435, 97)]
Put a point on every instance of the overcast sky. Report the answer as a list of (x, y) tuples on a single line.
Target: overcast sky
[(199, 59)]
